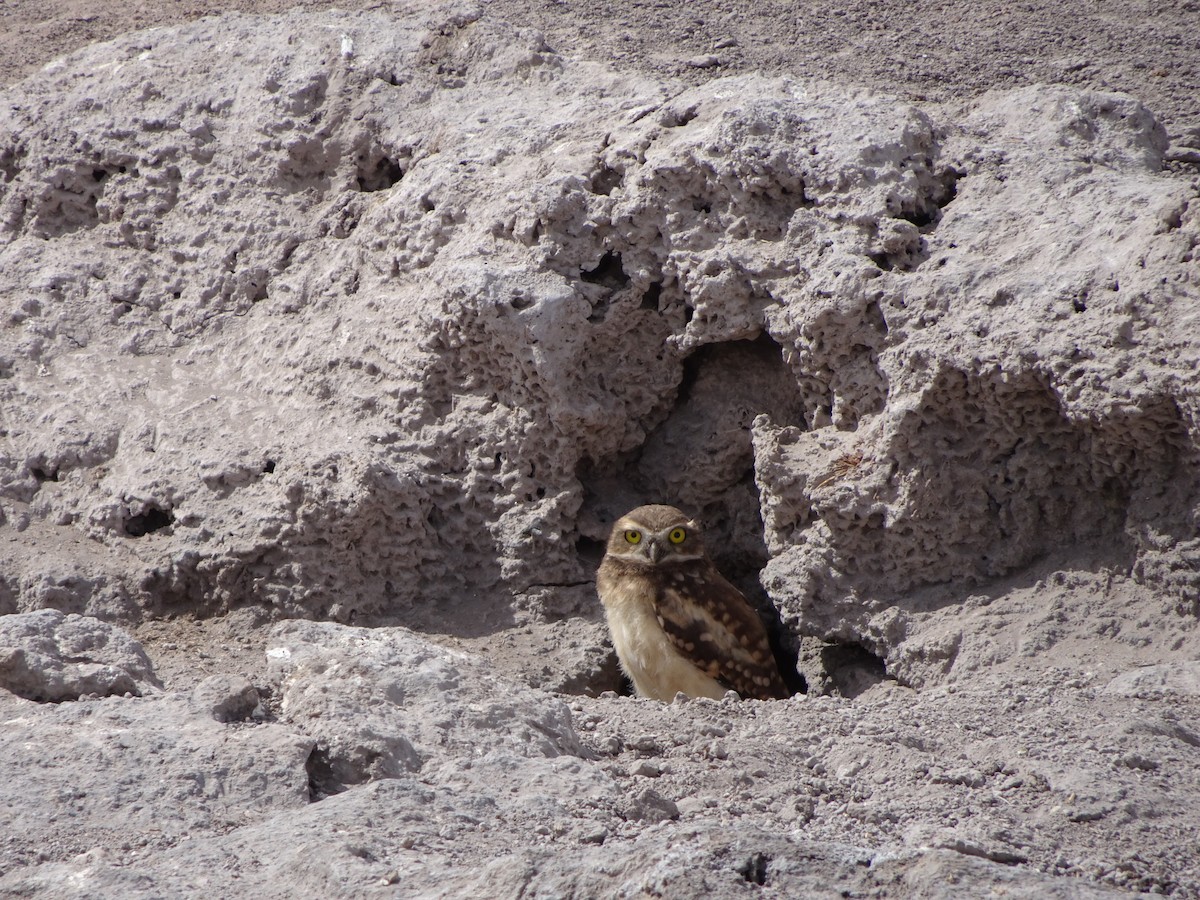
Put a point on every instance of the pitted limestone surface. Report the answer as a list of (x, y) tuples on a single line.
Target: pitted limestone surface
[(395, 328), (383, 317)]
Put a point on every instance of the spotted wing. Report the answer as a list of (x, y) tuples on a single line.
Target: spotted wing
[(712, 626)]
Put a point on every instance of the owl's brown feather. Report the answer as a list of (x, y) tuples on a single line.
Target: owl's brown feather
[(710, 623)]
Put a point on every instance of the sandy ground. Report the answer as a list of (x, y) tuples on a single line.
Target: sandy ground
[(940, 51)]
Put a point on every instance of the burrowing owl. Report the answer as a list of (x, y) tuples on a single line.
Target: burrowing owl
[(676, 624)]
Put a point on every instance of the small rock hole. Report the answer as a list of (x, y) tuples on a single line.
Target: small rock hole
[(651, 297), (321, 781), (852, 668), (590, 551), (384, 174), (153, 519), (949, 188), (754, 868), (787, 658), (609, 272), (268, 467), (606, 180), (608, 677), (921, 217), (882, 260), (41, 475)]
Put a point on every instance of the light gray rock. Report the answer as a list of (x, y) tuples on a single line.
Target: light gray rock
[(1172, 678), (383, 702), (942, 482), (384, 840), (131, 777), (49, 656), (227, 698)]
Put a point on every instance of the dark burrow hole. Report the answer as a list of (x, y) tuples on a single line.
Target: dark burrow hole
[(651, 297), (41, 475), (609, 678), (852, 668), (787, 656), (590, 551), (754, 868), (922, 217), (882, 260), (321, 781), (606, 180), (722, 388), (153, 519), (100, 175), (268, 467), (609, 272), (385, 173), (929, 212)]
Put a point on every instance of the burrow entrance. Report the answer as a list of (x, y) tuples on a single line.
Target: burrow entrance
[(700, 458)]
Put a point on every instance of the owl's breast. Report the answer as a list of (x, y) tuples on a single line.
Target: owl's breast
[(651, 661)]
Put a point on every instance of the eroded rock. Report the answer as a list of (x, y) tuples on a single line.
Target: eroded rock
[(384, 317), (418, 320), (50, 657), (383, 702), (137, 775)]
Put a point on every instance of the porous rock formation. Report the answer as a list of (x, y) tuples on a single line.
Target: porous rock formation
[(383, 321), (404, 323)]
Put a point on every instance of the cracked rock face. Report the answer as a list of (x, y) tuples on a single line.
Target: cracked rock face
[(382, 318), (397, 327)]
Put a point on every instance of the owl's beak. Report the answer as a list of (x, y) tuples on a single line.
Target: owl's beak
[(654, 551)]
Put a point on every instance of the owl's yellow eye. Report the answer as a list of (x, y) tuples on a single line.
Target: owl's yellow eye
[(633, 537), (677, 536)]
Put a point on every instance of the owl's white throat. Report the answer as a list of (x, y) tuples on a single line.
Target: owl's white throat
[(657, 555)]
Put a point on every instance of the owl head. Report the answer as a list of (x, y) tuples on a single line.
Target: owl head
[(656, 536)]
